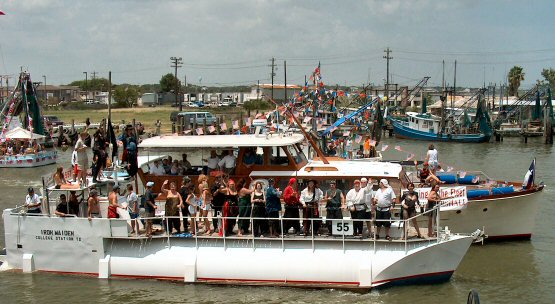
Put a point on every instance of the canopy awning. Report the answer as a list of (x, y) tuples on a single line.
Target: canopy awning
[(20, 133)]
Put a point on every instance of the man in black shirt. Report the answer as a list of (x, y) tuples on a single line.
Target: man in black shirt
[(184, 192), (150, 207), (62, 208), (218, 200)]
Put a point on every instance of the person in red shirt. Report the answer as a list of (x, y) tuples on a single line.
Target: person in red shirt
[(292, 203)]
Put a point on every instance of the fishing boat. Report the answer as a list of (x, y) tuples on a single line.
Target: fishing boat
[(453, 128), (22, 141)]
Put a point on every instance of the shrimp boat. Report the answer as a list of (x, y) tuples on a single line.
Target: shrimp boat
[(103, 247), (21, 141)]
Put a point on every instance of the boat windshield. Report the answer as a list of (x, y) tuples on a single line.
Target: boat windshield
[(297, 153)]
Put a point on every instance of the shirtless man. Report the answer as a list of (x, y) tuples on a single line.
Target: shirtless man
[(94, 205)]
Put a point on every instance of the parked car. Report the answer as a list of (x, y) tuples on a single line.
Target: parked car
[(199, 103), (190, 104), (52, 120), (190, 116)]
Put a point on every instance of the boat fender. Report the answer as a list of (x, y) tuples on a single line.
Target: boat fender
[(473, 193), (503, 190), (447, 178), (469, 180)]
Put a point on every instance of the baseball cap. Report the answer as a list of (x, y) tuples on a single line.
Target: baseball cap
[(364, 180), (332, 181), (150, 184), (30, 189), (357, 181)]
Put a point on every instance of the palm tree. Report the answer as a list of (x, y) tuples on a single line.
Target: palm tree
[(515, 77)]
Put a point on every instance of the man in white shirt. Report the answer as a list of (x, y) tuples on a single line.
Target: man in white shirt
[(432, 158), (74, 165), (384, 200), (355, 203), (368, 196), (157, 169), (82, 157), (212, 162), (132, 207), (228, 162), (32, 201)]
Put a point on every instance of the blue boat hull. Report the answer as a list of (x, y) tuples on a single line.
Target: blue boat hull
[(406, 132)]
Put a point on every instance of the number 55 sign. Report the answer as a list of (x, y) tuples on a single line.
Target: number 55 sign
[(342, 227)]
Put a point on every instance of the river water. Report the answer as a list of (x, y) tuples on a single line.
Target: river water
[(509, 272)]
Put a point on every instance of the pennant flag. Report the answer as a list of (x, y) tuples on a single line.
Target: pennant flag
[(223, 126), (530, 175), (113, 139), (346, 133), (307, 119), (200, 131), (211, 129), (358, 138), (235, 124), (384, 148), (398, 148)]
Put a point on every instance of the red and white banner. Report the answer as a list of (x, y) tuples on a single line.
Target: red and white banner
[(455, 197)]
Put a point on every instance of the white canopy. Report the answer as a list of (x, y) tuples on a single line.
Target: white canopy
[(20, 133), (221, 141)]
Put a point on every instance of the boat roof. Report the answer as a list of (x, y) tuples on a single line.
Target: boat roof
[(149, 158), (339, 168), (221, 141), (426, 116)]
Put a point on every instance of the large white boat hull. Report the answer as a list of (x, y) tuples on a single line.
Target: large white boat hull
[(101, 248)]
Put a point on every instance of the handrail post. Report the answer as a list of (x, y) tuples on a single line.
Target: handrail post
[(342, 234), (252, 231), (312, 232), (282, 233)]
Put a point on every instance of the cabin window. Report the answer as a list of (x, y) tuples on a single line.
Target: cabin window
[(424, 124), (279, 157), (251, 157), (297, 154)]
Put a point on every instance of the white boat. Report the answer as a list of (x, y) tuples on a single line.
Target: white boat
[(31, 159), (103, 247)]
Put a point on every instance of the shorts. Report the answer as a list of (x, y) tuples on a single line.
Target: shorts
[(367, 215), (383, 215), (75, 169), (432, 165), (192, 210), (206, 207), (133, 215), (429, 207)]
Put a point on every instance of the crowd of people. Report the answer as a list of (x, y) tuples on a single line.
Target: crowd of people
[(13, 147)]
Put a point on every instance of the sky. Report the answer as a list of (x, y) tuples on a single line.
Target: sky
[(225, 43)]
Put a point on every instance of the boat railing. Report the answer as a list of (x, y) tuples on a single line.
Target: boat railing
[(343, 225)]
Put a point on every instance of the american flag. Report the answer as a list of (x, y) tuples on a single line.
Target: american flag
[(235, 124), (187, 131), (307, 119), (358, 138), (200, 131), (462, 174), (223, 126), (372, 142), (248, 121), (385, 147), (398, 148), (211, 129), (411, 156), (346, 133)]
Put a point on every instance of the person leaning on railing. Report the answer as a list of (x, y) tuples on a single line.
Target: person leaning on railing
[(433, 201), (32, 201)]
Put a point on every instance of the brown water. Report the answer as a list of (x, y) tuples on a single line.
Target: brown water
[(511, 272)]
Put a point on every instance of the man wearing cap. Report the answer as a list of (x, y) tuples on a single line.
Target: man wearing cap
[(355, 202), (368, 196), (384, 200), (94, 205), (32, 201), (335, 201), (150, 207)]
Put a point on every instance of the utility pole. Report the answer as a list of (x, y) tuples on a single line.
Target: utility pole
[(454, 86), (45, 93), (86, 87), (258, 90), (176, 63), (285, 81), (387, 58), (273, 74), (443, 76), (109, 96)]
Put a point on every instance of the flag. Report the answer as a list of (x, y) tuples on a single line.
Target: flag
[(372, 142), (462, 174), (384, 148), (358, 138), (307, 119), (346, 133), (235, 124), (409, 157), (223, 126), (398, 148), (248, 121), (449, 169), (113, 140), (530, 175), (187, 132), (211, 129), (200, 131)]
